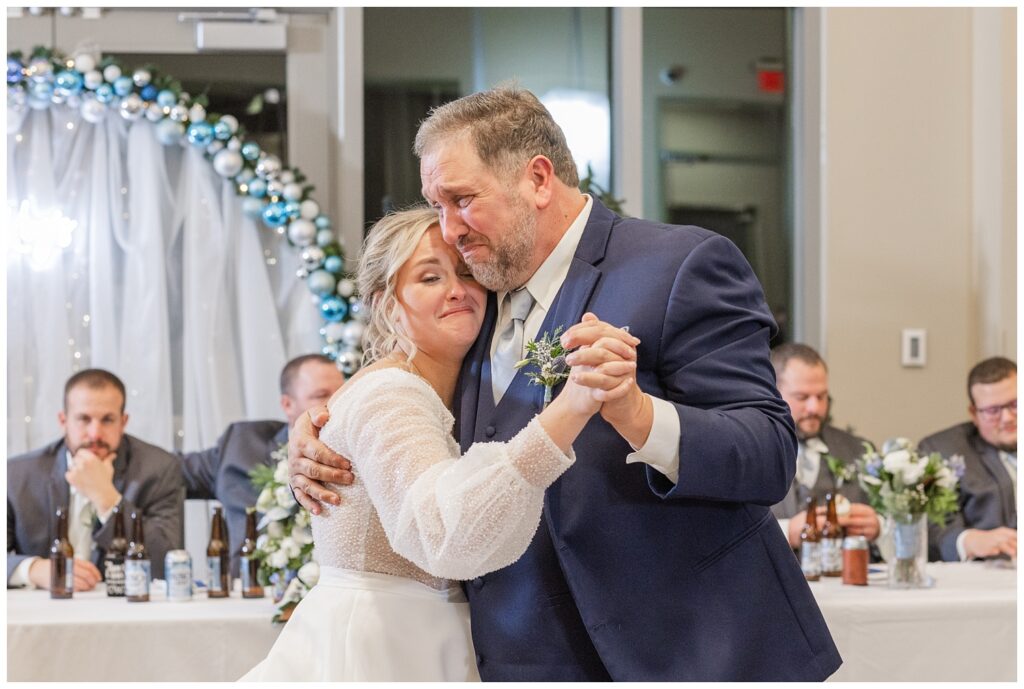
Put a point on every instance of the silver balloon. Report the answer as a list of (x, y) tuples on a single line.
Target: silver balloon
[(93, 111), (111, 73), (179, 113), (92, 79), (274, 188), (348, 361), (309, 209), (313, 257), (268, 165), (323, 237), (291, 191), (197, 113), (154, 113), (301, 232), (353, 333), (302, 273), (346, 288), (231, 121), (287, 176), (233, 143), (333, 332), (85, 63), (359, 311), (215, 146), (142, 77), (320, 282), (131, 107)]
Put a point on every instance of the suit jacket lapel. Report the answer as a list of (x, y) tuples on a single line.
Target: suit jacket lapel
[(994, 465)]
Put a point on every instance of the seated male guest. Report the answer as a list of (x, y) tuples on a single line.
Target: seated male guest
[(95, 467), (802, 378), (986, 525), (222, 471)]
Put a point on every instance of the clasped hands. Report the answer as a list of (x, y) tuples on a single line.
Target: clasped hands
[(603, 378)]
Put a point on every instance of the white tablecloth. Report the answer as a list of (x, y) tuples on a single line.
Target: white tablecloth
[(962, 629), (95, 638), (965, 628)]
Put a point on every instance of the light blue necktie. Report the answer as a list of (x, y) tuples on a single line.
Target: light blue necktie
[(510, 344)]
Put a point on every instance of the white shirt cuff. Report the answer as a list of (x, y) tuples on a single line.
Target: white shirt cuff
[(961, 550), (784, 525), (661, 451), (20, 575)]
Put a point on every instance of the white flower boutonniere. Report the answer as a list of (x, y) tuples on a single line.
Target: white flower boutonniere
[(548, 355)]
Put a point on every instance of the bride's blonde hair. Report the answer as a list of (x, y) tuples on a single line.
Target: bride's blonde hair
[(390, 243)]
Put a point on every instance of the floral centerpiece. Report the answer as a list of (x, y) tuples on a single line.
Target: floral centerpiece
[(907, 489), (284, 547)]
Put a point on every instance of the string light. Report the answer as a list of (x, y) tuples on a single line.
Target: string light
[(39, 234)]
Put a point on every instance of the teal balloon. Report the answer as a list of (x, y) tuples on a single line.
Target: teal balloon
[(334, 264), (293, 209), (322, 222), (166, 99), (222, 131), (169, 132), (275, 215), (123, 86), (334, 309), (200, 134), (257, 188), (68, 82), (250, 150), (104, 93)]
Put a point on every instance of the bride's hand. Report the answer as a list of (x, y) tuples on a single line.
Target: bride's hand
[(604, 368)]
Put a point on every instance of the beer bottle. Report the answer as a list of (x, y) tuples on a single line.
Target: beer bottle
[(137, 569), (218, 558), (810, 543), (113, 560), (250, 566), (831, 541), (62, 560)]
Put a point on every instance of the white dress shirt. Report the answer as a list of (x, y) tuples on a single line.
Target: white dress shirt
[(808, 466), (661, 451)]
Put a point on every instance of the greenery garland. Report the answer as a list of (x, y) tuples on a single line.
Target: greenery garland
[(270, 191)]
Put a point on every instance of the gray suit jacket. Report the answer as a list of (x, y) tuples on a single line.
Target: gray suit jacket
[(986, 491), (222, 472), (147, 477), (841, 445)]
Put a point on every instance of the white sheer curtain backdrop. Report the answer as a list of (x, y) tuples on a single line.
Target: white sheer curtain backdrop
[(165, 282)]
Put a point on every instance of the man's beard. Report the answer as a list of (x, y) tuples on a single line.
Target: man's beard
[(507, 267), (98, 448), (801, 434)]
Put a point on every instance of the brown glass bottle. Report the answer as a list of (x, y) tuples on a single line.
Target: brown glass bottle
[(249, 565), (218, 558), (831, 541), (62, 560), (137, 569), (810, 543), (113, 559)]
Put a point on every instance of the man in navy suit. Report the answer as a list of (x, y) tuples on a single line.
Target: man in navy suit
[(658, 557)]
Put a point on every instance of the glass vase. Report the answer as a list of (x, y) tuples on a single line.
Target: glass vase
[(904, 545)]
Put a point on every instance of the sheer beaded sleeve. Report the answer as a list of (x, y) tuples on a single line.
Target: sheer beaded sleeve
[(455, 517)]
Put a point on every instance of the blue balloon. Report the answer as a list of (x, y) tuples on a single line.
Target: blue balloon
[(166, 99), (334, 309), (104, 93), (293, 209), (68, 82), (322, 222), (250, 150), (200, 134), (257, 188), (222, 131), (334, 264), (275, 215), (123, 86), (148, 92), (14, 75)]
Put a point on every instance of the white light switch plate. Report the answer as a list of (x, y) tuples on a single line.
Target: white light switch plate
[(914, 351)]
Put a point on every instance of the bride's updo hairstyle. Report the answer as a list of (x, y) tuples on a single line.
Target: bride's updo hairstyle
[(390, 243)]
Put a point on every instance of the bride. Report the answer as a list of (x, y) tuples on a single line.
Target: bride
[(419, 517)]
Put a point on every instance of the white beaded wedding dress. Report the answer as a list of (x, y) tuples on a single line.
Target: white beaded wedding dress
[(417, 518)]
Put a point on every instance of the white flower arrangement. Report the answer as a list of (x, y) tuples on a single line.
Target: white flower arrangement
[(285, 544), (900, 482)]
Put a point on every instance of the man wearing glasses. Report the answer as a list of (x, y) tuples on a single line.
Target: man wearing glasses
[(986, 525)]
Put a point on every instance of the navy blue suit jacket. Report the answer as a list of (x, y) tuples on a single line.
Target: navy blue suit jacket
[(630, 577)]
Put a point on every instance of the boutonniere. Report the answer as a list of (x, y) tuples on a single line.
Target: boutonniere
[(548, 355), (840, 470)]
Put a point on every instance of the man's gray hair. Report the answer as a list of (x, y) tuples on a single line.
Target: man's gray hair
[(507, 125)]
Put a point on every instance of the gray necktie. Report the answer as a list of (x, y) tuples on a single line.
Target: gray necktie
[(510, 344)]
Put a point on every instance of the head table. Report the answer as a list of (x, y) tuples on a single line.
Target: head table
[(963, 629)]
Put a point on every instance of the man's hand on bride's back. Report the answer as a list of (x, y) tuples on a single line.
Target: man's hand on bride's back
[(311, 464)]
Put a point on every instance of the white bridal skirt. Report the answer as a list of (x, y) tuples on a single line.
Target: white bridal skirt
[(362, 626)]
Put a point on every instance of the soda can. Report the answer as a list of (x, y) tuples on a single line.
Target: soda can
[(178, 571)]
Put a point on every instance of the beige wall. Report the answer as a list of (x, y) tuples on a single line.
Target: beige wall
[(909, 234)]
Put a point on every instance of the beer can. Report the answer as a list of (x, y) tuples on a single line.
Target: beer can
[(178, 572)]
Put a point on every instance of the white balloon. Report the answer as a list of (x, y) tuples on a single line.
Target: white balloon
[(292, 191), (353, 333), (346, 288), (228, 163), (85, 63), (215, 146), (287, 177), (93, 111), (111, 73), (197, 113), (309, 209), (154, 113), (252, 206), (92, 79), (233, 143), (131, 107), (334, 332), (302, 232)]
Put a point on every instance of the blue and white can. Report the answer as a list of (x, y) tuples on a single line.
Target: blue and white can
[(178, 572)]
